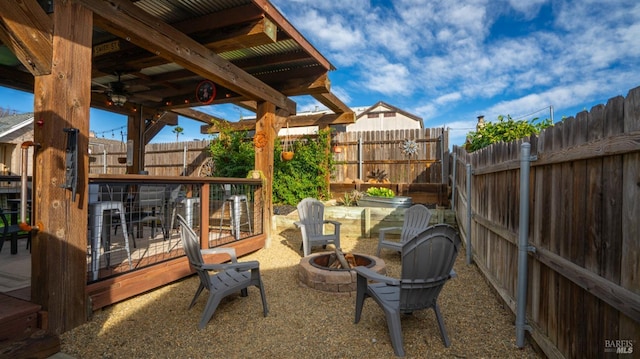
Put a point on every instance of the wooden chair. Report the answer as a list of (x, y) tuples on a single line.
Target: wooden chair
[(416, 220), (220, 280), (311, 224), (427, 264)]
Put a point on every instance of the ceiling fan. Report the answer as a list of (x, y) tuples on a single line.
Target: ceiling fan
[(115, 91)]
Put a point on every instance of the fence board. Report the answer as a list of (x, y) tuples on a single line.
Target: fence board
[(593, 232)]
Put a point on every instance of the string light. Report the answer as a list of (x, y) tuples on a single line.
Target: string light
[(112, 131)]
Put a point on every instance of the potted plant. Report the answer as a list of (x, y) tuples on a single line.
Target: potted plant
[(287, 154)]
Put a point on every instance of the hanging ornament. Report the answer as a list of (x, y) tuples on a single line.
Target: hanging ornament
[(287, 153), (260, 139)]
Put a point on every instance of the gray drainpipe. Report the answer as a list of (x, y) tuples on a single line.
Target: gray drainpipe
[(523, 244), (469, 212), (453, 184)]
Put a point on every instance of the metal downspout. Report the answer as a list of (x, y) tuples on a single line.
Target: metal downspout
[(23, 187), (523, 245), (469, 251), (453, 183)]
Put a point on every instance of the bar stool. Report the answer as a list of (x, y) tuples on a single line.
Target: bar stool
[(97, 231), (234, 202)]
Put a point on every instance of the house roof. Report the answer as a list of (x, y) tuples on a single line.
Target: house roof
[(391, 109), (10, 124), (161, 51)]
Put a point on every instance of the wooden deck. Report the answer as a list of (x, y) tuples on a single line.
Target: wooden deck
[(23, 328)]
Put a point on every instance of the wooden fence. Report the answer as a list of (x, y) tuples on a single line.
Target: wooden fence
[(380, 150), (363, 152), (161, 159), (583, 296)]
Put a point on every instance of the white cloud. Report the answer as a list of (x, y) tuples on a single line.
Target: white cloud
[(391, 79), (450, 97), (528, 8)]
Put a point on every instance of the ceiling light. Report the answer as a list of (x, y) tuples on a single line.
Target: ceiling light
[(117, 99)]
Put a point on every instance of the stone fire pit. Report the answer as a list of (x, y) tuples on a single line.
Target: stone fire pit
[(313, 272)]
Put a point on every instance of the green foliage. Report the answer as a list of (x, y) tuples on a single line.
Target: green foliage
[(178, 131), (233, 154), (304, 176), (351, 198), (505, 130), (380, 192), (307, 173)]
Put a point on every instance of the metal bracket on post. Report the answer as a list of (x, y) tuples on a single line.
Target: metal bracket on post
[(71, 162)]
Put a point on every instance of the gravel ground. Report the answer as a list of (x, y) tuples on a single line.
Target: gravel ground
[(302, 322)]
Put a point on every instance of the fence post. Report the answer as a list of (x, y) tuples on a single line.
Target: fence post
[(453, 182), (523, 245), (469, 252), (442, 177), (104, 160), (184, 160), (360, 174)]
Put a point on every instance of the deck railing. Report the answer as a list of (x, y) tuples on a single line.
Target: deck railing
[(223, 210)]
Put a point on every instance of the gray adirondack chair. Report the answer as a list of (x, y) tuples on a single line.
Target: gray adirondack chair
[(220, 280), (427, 264), (312, 223), (416, 220)]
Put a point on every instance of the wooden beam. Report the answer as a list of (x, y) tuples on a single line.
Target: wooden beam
[(291, 31), (151, 130), (220, 19), (255, 33), (127, 21), (27, 30), (332, 102), (16, 79), (321, 120), (249, 34), (197, 115), (297, 84)]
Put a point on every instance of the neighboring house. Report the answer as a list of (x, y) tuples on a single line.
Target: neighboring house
[(383, 116), (378, 117), (14, 131)]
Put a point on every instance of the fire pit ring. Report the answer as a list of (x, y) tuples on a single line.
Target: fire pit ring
[(313, 272)]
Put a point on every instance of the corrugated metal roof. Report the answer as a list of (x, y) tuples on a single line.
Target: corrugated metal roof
[(148, 77)]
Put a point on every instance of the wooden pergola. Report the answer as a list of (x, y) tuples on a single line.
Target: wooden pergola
[(165, 58)]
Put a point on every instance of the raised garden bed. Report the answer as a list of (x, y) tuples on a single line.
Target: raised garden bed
[(363, 221)]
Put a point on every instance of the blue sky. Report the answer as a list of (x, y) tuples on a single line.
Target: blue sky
[(449, 61)]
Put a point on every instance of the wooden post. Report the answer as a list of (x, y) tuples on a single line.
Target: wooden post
[(266, 125), (62, 100), (135, 133), (327, 153)]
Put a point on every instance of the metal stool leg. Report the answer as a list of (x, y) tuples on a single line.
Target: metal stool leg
[(246, 205), (98, 228)]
